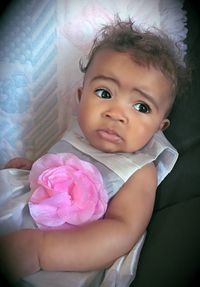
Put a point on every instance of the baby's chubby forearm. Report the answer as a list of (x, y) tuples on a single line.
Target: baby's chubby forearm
[(90, 247)]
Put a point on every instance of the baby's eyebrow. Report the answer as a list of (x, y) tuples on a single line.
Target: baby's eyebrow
[(107, 78)]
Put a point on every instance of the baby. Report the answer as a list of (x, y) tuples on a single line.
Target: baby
[(129, 87)]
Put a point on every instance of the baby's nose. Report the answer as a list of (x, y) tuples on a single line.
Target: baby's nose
[(116, 115)]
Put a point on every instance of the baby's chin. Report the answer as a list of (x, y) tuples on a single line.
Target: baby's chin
[(110, 148)]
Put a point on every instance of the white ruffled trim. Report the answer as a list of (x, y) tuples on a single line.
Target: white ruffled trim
[(173, 21)]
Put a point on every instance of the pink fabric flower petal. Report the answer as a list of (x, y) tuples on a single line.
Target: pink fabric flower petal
[(39, 194), (45, 214)]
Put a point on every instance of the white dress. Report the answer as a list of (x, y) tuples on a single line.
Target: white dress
[(115, 169)]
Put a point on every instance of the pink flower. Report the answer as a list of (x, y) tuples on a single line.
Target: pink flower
[(66, 191)]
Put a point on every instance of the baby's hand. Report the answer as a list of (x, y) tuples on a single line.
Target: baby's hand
[(20, 163)]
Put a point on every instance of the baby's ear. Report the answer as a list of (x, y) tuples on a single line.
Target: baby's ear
[(79, 94), (165, 124)]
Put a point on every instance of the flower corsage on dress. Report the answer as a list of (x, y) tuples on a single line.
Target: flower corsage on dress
[(65, 192)]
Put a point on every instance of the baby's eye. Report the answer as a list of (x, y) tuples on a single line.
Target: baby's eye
[(102, 93), (142, 108)]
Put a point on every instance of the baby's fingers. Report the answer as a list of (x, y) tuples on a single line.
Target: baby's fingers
[(20, 163)]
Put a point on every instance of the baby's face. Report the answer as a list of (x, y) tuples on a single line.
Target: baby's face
[(122, 104)]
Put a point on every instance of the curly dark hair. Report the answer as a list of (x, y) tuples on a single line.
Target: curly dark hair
[(146, 47)]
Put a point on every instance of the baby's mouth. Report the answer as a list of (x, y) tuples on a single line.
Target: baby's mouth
[(109, 135)]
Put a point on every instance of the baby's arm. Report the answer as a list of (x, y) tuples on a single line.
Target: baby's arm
[(93, 246), (20, 162)]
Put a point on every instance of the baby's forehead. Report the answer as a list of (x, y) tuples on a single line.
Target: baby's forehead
[(142, 59), (105, 55)]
